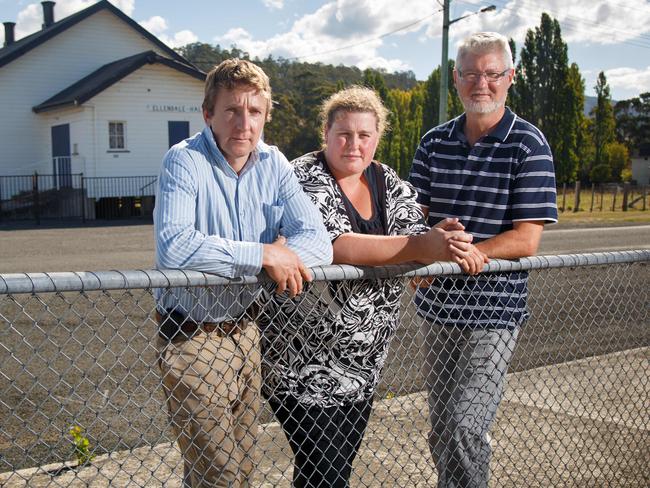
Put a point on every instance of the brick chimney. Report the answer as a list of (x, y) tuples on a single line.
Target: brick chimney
[(9, 33), (48, 13)]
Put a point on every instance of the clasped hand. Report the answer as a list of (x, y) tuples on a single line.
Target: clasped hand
[(284, 267), (448, 241)]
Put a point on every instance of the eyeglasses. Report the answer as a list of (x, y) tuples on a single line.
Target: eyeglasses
[(490, 76)]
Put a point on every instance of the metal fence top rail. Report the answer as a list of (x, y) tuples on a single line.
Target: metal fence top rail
[(152, 278)]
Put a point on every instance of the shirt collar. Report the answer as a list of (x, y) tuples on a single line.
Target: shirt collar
[(260, 153), (500, 132)]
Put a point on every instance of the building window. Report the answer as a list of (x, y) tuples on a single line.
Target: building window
[(117, 135)]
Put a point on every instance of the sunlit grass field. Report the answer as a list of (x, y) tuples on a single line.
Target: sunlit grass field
[(604, 205)]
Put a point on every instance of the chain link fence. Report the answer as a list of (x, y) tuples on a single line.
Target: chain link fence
[(82, 404)]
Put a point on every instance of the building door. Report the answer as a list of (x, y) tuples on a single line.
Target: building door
[(61, 166), (177, 131)]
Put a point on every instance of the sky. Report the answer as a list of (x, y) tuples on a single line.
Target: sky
[(602, 35)]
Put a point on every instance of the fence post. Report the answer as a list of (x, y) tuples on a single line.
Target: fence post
[(36, 204), (645, 196), (83, 200), (593, 191), (602, 196), (626, 191), (576, 198), (614, 199), (563, 196)]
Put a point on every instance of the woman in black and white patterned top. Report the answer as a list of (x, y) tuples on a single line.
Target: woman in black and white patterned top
[(324, 350)]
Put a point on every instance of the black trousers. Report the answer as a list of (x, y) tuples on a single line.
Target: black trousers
[(324, 440)]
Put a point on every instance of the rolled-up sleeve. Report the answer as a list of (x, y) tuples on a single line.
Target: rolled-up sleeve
[(178, 243)]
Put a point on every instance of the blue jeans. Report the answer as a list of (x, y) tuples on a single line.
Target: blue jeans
[(465, 370)]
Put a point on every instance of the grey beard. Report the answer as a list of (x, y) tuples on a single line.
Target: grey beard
[(483, 107)]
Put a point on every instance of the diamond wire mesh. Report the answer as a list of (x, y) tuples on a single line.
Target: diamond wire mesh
[(574, 411)]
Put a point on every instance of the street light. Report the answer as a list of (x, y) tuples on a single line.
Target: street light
[(442, 107)]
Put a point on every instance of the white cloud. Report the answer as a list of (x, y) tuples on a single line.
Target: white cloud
[(581, 21), (158, 26), (326, 34), (126, 6), (30, 19), (181, 38), (273, 4), (632, 79)]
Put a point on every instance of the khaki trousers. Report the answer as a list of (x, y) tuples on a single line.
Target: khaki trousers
[(212, 385)]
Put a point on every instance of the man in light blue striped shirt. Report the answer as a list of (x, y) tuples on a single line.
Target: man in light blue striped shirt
[(494, 171), (228, 204)]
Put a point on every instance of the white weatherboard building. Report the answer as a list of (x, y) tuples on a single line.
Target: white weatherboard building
[(93, 93), (641, 164)]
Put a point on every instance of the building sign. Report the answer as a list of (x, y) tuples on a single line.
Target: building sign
[(168, 107)]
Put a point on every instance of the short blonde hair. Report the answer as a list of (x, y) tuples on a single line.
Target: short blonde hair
[(354, 99), (232, 73), (483, 43)]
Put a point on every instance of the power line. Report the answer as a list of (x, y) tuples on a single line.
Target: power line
[(349, 46), (571, 21), (575, 23)]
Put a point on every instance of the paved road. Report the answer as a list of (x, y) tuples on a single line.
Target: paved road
[(131, 247), (564, 241)]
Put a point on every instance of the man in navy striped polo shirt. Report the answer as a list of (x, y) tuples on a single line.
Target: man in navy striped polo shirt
[(494, 171)]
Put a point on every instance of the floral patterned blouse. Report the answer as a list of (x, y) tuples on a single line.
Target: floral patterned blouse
[(327, 346)]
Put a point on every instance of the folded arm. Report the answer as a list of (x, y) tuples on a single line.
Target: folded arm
[(373, 250), (522, 241)]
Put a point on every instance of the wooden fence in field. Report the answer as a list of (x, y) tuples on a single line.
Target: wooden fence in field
[(603, 197)]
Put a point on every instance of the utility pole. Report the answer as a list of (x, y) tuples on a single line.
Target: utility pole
[(444, 65), (444, 62)]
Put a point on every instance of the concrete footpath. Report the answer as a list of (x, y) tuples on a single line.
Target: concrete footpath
[(582, 423)]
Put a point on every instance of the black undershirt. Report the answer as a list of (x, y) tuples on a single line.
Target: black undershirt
[(377, 224), (374, 225)]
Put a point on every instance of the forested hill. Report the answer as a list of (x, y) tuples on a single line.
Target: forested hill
[(590, 139), (283, 72), (300, 87)]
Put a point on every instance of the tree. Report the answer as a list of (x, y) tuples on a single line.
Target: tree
[(569, 149), (585, 145), (373, 79), (550, 94), (388, 151), (431, 92), (205, 56), (285, 127), (431, 97), (633, 120), (600, 173), (454, 105), (603, 128), (522, 93), (617, 157)]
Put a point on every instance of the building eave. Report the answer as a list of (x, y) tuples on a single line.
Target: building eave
[(106, 76), (26, 44)]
